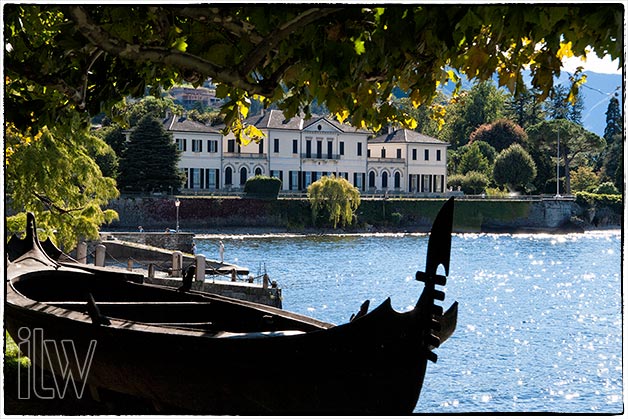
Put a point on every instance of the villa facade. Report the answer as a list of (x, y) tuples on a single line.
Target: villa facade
[(299, 152)]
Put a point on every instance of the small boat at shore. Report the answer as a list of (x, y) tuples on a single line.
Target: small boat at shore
[(201, 353)]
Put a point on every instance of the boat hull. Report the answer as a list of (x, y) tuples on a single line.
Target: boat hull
[(335, 371)]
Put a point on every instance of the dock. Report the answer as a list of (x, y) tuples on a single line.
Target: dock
[(166, 267)]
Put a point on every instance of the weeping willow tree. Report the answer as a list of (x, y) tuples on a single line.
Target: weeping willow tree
[(336, 196)]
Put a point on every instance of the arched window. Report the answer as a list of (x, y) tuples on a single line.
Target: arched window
[(371, 179), (228, 176), (258, 171), (397, 180), (243, 176), (384, 180)]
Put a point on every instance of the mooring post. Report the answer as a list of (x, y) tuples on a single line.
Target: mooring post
[(177, 264), (129, 265), (151, 270), (233, 275), (99, 259), (200, 268), (265, 281), (81, 252)]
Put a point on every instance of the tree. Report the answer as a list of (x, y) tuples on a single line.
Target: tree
[(335, 196), (69, 61), (65, 188), (514, 167), (348, 57), (612, 156), (500, 134), (150, 160), (574, 142), (613, 120), (564, 104), (472, 159), (484, 103), (584, 179), (524, 108)]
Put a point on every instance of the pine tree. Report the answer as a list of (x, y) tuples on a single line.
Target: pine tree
[(613, 120), (149, 163)]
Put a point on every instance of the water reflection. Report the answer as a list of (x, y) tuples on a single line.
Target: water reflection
[(539, 326)]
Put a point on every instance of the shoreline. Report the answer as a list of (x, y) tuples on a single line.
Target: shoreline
[(281, 231)]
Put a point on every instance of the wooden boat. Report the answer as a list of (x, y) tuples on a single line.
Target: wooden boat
[(197, 352)]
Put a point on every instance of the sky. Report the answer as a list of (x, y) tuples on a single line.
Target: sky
[(594, 64)]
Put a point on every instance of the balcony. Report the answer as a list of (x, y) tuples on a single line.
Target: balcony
[(322, 156), (255, 156), (386, 160)]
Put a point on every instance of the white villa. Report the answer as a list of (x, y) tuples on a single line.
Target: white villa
[(299, 152)]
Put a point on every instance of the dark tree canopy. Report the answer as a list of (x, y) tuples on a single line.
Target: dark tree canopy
[(149, 162), (571, 139), (501, 134), (514, 167), (348, 57)]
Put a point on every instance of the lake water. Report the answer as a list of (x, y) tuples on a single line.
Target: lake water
[(540, 316)]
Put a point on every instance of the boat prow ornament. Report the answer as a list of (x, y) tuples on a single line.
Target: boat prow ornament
[(194, 352)]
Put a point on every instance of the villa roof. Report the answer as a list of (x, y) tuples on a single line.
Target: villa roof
[(182, 123), (406, 136), (275, 119)]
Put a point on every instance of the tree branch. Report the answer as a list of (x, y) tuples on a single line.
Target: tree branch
[(284, 31), (52, 206), (160, 55)]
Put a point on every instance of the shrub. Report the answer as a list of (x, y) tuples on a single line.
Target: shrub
[(262, 187), (606, 188), (514, 167), (472, 183), (336, 196)]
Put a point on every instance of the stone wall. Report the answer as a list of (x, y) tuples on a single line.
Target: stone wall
[(171, 241), (205, 214)]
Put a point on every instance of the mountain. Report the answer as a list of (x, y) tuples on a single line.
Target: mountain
[(597, 92)]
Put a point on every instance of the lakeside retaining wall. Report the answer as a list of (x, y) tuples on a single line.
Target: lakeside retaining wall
[(293, 214)]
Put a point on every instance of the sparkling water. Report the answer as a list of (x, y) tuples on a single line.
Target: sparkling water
[(539, 322)]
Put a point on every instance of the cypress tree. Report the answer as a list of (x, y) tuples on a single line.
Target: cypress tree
[(149, 162)]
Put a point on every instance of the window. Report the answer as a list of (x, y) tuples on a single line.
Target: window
[(358, 180), (212, 146), (261, 146), (228, 176), (181, 144), (330, 149), (243, 176), (371, 179), (397, 180), (231, 146), (258, 171), (359, 149), (368, 153), (196, 178), (294, 180), (383, 153), (295, 146), (319, 149), (276, 145), (437, 155), (342, 148), (308, 149), (384, 180), (210, 179), (414, 154), (398, 153), (427, 154), (197, 146)]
